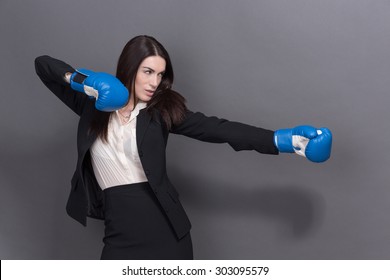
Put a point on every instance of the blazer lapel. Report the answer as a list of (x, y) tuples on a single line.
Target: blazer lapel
[(84, 138), (143, 120)]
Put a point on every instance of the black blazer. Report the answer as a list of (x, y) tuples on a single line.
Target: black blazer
[(86, 197)]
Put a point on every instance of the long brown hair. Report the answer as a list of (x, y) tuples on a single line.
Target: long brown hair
[(169, 103)]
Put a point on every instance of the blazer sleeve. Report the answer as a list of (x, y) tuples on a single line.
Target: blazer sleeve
[(52, 71), (216, 130)]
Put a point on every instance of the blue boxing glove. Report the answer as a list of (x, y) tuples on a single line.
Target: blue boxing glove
[(109, 92), (314, 144)]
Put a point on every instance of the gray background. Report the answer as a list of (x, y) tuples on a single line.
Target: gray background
[(272, 64)]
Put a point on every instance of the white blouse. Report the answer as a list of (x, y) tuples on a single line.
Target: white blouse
[(117, 162)]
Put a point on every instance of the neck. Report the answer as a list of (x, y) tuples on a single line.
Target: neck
[(129, 107)]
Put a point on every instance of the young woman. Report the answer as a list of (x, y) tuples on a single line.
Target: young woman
[(121, 174)]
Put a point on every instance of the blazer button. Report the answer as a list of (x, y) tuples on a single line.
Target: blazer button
[(147, 172), (141, 154)]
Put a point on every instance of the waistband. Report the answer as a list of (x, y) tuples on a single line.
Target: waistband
[(127, 188)]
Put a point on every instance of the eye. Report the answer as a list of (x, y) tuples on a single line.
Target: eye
[(148, 72), (161, 75)]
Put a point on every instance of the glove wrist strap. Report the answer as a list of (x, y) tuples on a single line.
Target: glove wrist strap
[(77, 81), (283, 140)]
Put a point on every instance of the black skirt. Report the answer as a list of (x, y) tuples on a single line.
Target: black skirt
[(136, 227)]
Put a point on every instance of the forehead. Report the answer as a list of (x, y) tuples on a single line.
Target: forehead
[(157, 63)]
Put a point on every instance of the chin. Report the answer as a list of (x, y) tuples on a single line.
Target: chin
[(145, 99)]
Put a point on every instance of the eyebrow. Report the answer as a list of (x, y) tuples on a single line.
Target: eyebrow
[(152, 69)]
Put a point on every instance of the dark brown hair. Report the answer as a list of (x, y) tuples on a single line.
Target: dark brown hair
[(167, 102)]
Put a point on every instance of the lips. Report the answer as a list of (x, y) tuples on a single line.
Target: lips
[(149, 92)]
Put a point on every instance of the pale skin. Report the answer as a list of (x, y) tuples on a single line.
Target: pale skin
[(148, 77)]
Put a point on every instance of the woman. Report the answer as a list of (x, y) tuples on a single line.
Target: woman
[(121, 172)]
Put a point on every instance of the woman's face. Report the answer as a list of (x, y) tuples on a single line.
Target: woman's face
[(148, 77)]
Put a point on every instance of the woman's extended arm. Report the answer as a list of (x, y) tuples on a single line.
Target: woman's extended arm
[(310, 142), (238, 135)]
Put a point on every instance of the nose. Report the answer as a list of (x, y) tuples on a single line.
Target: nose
[(154, 81)]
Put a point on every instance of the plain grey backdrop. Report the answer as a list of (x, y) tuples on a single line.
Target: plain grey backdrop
[(268, 63)]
